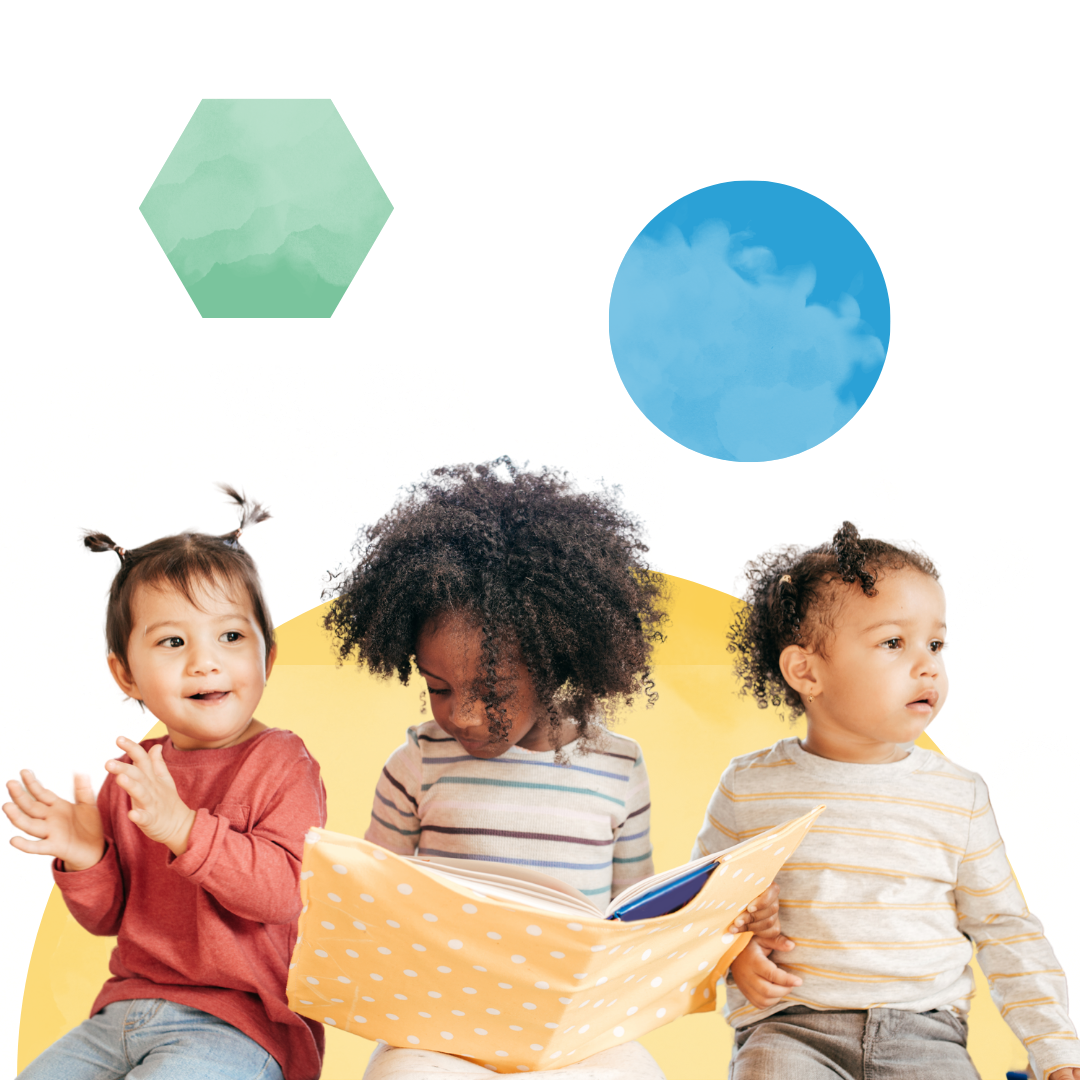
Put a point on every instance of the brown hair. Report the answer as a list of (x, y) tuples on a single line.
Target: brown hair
[(183, 561), (792, 597)]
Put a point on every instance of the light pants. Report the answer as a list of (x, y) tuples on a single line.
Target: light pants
[(631, 1061), (876, 1044), (150, 1038)]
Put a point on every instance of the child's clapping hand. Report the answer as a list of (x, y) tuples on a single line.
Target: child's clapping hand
[(68, 831), (762, 919), (155, 806), (762, 983)]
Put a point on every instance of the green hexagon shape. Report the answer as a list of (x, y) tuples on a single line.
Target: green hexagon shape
[(266, 208)]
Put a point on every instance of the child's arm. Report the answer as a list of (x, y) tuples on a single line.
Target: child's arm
[(395, 817), (719, 832), (1025, 978), (761, 982), (254, 872), (631, 856)]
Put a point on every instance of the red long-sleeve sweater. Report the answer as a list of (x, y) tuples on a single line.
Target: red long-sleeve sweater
[(213, 929)]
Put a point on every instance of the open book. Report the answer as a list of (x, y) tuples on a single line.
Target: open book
[(648, 898), (421, 953)]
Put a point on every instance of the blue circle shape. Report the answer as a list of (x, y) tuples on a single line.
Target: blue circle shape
[(749, 321)]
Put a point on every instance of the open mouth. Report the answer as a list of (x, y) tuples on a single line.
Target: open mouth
[(927, 701), (210, 695)]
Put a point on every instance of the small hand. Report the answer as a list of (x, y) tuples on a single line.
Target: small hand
[(762, 918), (70, 832), (762, 983), (1072, 1073), (155, 806)]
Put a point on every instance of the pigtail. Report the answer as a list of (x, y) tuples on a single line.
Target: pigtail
[(251, 513), (98, 542), (786, 604), (851, 558)]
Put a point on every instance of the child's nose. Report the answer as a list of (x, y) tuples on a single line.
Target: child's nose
[(929, 662), (470, 714), (203, 660)]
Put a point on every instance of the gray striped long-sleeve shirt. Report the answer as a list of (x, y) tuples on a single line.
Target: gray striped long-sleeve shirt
[(903, 872), (586, 822)]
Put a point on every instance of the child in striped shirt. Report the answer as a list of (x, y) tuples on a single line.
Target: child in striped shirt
[(529, 611), (905, 868)]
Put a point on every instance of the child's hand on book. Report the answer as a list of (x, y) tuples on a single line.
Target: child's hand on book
[(762, 919), (68, 831), (762, 983), (155, 806)]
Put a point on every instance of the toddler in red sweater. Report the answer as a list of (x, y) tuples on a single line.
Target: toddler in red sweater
[(191, 853)]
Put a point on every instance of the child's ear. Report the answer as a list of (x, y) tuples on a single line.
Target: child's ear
[(270, 659), (123, 677), (799, 669)]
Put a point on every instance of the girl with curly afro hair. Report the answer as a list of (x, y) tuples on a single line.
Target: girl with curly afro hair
[(905, 868), (550, 582), (527, 607)]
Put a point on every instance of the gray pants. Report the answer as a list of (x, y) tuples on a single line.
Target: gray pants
[(879, 1044)]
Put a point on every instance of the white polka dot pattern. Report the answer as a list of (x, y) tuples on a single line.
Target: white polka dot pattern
[(529, 971)]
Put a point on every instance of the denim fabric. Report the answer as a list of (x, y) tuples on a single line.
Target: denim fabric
[(875, 1044), (151, 1038)]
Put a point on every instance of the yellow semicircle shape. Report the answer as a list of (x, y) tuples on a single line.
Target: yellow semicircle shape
[(351, 721)]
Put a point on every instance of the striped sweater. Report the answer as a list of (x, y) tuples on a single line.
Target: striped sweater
[(586, 822), (903, 871)]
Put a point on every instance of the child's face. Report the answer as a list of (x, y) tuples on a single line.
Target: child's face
[(448, 653), (882, 678), (199, 668)]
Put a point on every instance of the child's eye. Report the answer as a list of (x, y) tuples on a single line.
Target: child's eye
[(172, 642), (231, 635), (891, 643), (936, 646), (941, 646), (434, 690)]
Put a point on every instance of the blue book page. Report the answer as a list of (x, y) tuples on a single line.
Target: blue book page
[(669, 897)]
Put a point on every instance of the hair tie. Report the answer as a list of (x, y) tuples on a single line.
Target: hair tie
[(786, 579), (119, 551)]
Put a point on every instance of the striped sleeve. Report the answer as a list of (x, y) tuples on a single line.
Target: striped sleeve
[(395, 819), (632, 852), (719, 831), (1025, 978)]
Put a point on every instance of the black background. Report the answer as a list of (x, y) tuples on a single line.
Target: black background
[(500, 254)]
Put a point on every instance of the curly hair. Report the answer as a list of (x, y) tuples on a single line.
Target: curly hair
[(184, 561), (551, 576), (792, 598)]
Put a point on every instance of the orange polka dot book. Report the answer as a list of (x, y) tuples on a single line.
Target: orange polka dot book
[(511, 974)]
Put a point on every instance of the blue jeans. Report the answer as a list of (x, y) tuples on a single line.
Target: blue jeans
[(148, 1038), (876, 1044)]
